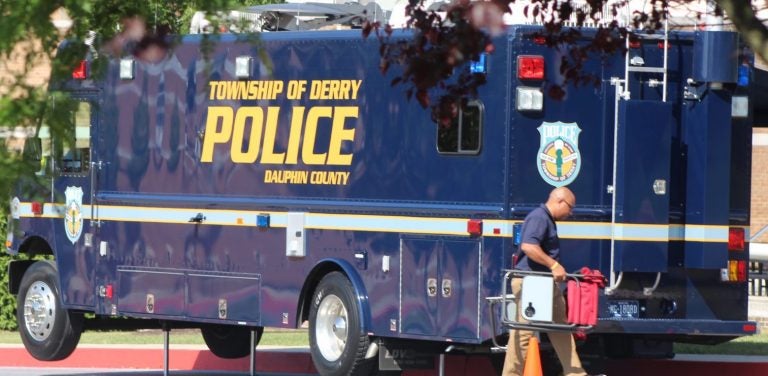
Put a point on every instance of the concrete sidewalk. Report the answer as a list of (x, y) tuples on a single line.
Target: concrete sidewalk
[(758, 312)]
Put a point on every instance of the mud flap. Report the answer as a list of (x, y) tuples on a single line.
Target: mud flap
[(392, 358)]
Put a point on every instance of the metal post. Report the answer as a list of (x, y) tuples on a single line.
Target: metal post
[(253, 352), (166, 337), (441, 370)]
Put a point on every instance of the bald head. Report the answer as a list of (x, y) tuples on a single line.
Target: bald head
[(561, 202), (562, 193)]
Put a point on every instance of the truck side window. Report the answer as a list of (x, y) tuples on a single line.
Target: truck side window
[(75, 156), (464, 134)]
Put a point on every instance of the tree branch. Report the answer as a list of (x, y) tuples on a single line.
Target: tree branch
[(754, 33)]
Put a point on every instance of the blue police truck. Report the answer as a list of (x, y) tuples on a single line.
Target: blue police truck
[(211, 189)]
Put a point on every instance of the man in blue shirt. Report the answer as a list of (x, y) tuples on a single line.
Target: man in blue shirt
[(540, 251)]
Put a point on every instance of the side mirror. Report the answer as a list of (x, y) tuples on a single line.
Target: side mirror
[(33, 151)]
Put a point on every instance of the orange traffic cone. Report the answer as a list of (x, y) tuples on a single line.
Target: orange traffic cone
[(533, 359)]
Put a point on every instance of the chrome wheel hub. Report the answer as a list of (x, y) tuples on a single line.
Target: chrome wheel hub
[(331, 327), (39, 310)]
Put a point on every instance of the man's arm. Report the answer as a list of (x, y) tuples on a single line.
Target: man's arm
[(536, 254)]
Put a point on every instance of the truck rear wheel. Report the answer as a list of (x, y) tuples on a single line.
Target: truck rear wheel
[(336, 339), (230, 341), (48, 331)]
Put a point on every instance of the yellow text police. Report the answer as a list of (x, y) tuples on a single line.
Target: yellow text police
[(257, 125)]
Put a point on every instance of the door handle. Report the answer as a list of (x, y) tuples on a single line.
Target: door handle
[(99, 165), (431, 287), (447, 288), (199, 218)]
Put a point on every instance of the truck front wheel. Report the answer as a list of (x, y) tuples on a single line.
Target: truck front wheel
[(48, 331), (336, 339)]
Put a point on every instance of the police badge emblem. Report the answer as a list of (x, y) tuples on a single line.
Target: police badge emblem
[(558, 159), (73, 216)]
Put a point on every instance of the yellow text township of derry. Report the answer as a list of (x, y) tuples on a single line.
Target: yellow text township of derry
[(293, 89)]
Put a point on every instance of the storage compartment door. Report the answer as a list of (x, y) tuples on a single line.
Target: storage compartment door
[(419, 289), (459, 307), (151, 291), (225, 296), (708, 181), (642, 186)]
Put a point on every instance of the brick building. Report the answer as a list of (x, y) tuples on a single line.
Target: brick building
[(759, 201), (26, 65)]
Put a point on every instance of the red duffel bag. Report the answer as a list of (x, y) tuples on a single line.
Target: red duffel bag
[(582, 297)]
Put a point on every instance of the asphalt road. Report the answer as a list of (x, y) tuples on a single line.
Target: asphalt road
[(40, 371)]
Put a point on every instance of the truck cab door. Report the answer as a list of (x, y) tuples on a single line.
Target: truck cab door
[(71, 122)]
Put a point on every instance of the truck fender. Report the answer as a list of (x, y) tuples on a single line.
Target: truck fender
[(31, 246), (16, 269), (324, 267)]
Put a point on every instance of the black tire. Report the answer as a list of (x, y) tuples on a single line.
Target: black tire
[(336, 338), (48, 331), (230, 341)]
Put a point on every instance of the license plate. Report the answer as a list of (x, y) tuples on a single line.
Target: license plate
[(625, 309)]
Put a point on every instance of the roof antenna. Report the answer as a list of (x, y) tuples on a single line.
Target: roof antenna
[(155, 26)]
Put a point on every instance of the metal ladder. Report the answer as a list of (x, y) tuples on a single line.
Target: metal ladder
[(635, 65), (622, 87)]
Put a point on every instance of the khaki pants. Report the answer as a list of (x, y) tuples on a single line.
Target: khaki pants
[(565, 347)]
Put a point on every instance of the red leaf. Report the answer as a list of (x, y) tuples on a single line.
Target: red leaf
[(423, 98), (384, 66), (367, 27), (556, 92)]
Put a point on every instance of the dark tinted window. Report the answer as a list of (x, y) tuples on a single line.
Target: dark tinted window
[(70, 132), (464, 134)]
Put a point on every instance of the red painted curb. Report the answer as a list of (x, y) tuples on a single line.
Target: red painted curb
[(300, 362), (179, 359)]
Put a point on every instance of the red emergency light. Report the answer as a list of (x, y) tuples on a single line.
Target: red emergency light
[(81, 71), (737, 271), (741, 271), (736, 239), (475, 227), (530, 67), (37, 208)]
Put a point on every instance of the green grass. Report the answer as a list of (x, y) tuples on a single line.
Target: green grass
[(271, 337), (752, 345)]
